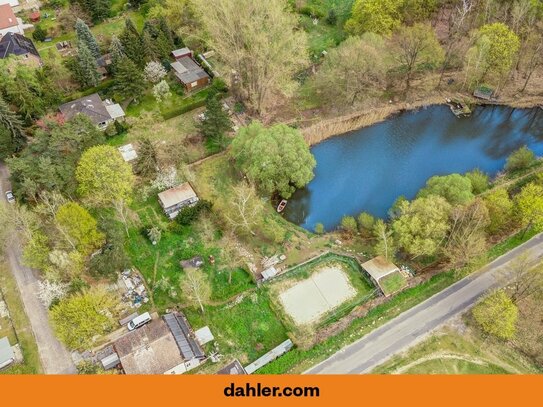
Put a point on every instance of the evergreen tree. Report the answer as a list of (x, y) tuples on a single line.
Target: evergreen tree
[(129, 79), (116, 51), (85, 36), (156, 42), (87, 73), (150, 47), (11, 126), (147, 162), (216, 122), (97, 9), (132, 43), (168, 34)]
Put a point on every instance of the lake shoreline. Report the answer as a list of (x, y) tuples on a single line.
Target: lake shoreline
[(337, 126)]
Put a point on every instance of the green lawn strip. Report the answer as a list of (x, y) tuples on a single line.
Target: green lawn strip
[(392, 283), (246, 330), (21, 326), (297, 360)]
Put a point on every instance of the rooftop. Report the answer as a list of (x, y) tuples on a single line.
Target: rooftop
[(181, 52), (6, 353), (378, 267), (128, 152), (150, 349), (233, 368), (91, 106), (187, 70), (176, 195), (182, 333), (7, 17), (16, 44)]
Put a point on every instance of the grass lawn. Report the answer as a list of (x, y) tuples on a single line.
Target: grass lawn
[(449, 352), (392, 283), (321, 37), (246, 330), (21, 326)]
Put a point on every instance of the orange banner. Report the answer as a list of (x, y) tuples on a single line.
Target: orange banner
[(199, 391)]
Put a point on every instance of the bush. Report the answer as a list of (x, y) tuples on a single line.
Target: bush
[(348, 224), (39, 33), (331, 17), (319, 228), (520, 159), (365, 222), (189, 214)]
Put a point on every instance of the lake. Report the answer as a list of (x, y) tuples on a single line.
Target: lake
[(367, 169)]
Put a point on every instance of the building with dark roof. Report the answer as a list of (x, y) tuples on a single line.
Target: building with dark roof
[(13, 44), (101, 113), (184, 337), (233, 368), (188, 72)]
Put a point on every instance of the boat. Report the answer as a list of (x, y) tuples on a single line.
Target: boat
[(281, 206), (458, 108)]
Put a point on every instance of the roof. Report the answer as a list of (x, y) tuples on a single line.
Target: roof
[(150, 349), (195, 262), (273, 354), (6, 353), (16, 44), (269, 273), (91, 106), (7, 17), (13, 3), (204, 335), (181, 52), (233, 368), (378, 267), (176, 195), (114, 109), (128, 152), (182, 333), (187, 70)]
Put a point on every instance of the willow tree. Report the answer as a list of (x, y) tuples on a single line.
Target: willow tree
[(260, 42)]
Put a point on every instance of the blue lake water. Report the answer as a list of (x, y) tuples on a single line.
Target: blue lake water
[(367, 169)]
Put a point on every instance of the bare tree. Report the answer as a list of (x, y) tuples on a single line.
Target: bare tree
[(244, 209), (122, 211), (195, 287), (230, 254), (527, 279)]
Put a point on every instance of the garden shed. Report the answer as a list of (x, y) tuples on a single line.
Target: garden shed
[(385, 274)]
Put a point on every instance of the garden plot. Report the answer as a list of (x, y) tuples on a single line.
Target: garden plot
[(310, 299)]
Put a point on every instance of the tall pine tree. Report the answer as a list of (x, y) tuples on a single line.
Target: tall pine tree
[(133, 44), (87, 73), (129, 79), (85, 36), (147, 162), (216, 122), (116, 51), (10, 123)]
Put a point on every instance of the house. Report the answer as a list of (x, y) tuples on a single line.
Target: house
[(101, 113), (7, 357), (150, 349), (190, 349), (188, 72), (9, 23), (174, 199), (19, 46), (12, 3), (233, 368)]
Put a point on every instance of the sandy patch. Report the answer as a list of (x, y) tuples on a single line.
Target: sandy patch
[(309, 299)]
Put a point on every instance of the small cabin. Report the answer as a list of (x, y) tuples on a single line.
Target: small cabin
[(174, 199)]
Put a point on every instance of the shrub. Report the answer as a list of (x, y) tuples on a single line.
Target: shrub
[(348, 224), (365, 222), (479, 180), (189, 214), (520, 159), (319, 228), (39, 34)]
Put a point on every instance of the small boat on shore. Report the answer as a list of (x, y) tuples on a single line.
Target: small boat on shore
[(282, 205), (458, 108)]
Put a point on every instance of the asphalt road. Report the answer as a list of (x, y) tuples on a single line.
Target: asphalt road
[(54, 356), (414, 325)]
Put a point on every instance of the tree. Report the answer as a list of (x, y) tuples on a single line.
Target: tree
[(497, 315), (376, 16), (385, 239), (98, 9), (51, 291), (39, 33), (417, 48), (87, 69), (129, 79), (423, 225), (51, 171), (319, 228), (366, 222), (529, 204), (495, 50), (276, 158), (195, 287), (244, 209), (455, 188), (11, 123), (132, 44), (154, 72), (467, 237), (520, 159), (533, 58), (526, 280), (500, 209), (78, 319), (112, 258), (104, 176), (161, 91), (348, 225), (85, 36), (479, 181), (147, 162), (216, 123), (353, 71), (260, 41), (116, 51), (79, 228)]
